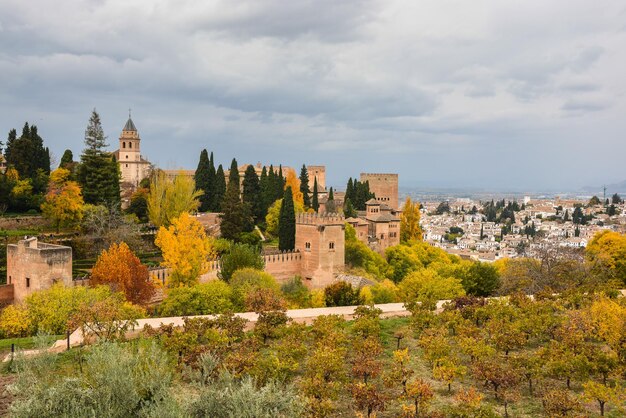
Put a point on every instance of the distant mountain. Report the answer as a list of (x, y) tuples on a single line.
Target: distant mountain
[(619, 188)]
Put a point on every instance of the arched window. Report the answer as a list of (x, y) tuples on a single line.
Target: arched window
[(123, 144), (130, 145)]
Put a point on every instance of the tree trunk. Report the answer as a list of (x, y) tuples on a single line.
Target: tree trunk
[(530, 386), (568, 383), (601, 408), (449, 387), (506, 410)]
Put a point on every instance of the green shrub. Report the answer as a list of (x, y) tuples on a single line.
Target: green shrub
[(202, 299), (342, 294), (240, 256)]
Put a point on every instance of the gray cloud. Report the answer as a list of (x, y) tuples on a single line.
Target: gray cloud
[(447, 95)]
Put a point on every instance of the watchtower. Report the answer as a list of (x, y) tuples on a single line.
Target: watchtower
[(321, 241)]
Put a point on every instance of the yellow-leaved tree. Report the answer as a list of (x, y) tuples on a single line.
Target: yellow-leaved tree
[(607, 254), (185, 249), (292, 180), (64, 201), (273, 213), (169, 198), (410, 228), (121, 270)]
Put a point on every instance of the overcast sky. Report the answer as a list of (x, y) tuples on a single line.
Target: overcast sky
[(495, 94)]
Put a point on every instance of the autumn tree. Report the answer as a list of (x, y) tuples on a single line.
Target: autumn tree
[(447, 370), (107, 319), (559, 403), (64, 201), (602, 394), (271, 309), (185, 249), (420, 393), (292, 181), (410, 228), (121, 270), (607, 253), (168, 198)]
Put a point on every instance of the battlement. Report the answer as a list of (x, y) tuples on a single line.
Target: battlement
[(319, 219), (284, 256), (378, 175)]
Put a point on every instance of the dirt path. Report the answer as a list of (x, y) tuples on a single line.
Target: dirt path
[(5, 397)]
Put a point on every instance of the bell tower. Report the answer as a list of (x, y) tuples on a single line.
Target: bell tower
[(129, 142)]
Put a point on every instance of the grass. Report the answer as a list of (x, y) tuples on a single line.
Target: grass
[(19, 232), (26, 343)]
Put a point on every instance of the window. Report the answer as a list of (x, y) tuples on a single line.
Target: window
[(127, 156), (307, 246), (126, 165), (9, 279), (331, 246), (130, 145), (28, 282), (123, 144)]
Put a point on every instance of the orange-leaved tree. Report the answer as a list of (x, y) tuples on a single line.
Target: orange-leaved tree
[(185, 249), (120, 269), (292, 180), (64, 202)]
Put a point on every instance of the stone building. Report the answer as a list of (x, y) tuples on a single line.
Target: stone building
[(383, 225), (33, 266), (384, 186), (133, 167), (321, 241)]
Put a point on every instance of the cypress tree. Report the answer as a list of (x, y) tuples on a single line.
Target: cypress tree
[(219, 188), (213, 203), (203, 181), (233, 174), (315, 204), (236, 217), (264, 185), (67, 160), (350, 190), (27, 154), (331, 195), (287, 223), (252, 193), (304, 186), (349, 211)]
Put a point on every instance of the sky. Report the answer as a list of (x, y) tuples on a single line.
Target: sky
[(492, 94)]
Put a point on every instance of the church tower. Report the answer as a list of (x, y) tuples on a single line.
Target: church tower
[(132, 166)]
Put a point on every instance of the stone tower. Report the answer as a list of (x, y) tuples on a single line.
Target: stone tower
[(384, 186), (33, 265), (132, 166), (321, 241)]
